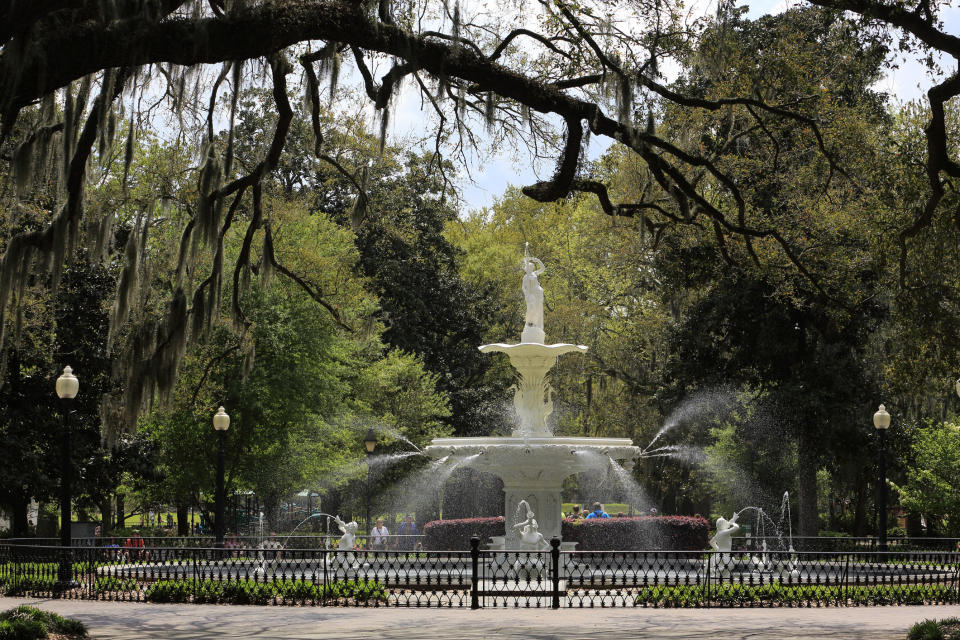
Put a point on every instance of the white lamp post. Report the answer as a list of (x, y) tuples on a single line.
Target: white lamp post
[(221, 422), (881, 422), (67, 387)]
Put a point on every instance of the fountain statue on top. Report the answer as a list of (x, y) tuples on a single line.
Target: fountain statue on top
[(531, 462), (533, 294)]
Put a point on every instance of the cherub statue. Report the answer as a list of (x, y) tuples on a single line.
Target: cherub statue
[(722, 542), (530, 537), (347, 542), (349, 531), (529, 566)]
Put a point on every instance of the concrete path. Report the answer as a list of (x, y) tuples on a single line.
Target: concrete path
[(135, 621)]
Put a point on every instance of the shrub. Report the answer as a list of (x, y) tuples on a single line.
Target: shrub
[(926, 630), (22, 629), (28, 585), (114, 583), (256, 592), (948, 629), (454, 535), (734, 594), (170, 591), (28, 623), (638, 533)]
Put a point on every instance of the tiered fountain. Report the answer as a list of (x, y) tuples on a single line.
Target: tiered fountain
[(531, 462)]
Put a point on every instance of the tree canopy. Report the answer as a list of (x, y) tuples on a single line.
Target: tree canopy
[(76, 77)]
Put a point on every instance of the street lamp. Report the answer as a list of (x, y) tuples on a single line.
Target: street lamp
[(881, 422), (370, 442), (67, 387), (221, 422)]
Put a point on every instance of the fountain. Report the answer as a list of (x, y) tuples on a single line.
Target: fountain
[(531, 462)]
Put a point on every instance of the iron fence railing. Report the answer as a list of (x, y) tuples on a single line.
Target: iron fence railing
[(481, 578), (391, 542), (843, 543)]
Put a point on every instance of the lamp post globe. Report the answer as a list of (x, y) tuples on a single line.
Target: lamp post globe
[(67, 387), (370, 441), (881, 422), (67, 384), (221, 422)]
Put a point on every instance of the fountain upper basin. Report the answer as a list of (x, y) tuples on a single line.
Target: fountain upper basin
[(533, 461)]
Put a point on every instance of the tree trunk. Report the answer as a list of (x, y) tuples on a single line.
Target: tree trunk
[(121, 520), (106, 516), (19, 517), (271, 512), (807, 524), (183, 519)]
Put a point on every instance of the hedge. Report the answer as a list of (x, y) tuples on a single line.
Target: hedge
[(455, 534), (640, 533)]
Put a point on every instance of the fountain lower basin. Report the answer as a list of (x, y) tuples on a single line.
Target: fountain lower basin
[(533, 469)]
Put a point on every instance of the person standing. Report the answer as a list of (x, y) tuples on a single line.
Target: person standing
[(407, 531), (378, 536), (597, 512)]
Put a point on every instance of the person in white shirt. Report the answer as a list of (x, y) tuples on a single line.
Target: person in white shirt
[(378, 536)]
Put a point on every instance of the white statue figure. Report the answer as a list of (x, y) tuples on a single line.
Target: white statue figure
[(529, 565), (347, 542), (530, 537), (722, 542), (533, 294)]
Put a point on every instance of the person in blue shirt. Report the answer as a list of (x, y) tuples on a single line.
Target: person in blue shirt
[(598, 512)]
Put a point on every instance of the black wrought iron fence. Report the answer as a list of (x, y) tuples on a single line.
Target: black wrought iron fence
[(391, 542), (480, 578), (844, 543)]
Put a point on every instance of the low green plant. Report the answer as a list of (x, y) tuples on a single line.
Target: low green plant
[(731, 595), (114, 583), (30, 623), (256, 592), (23, 629), (948, 629)]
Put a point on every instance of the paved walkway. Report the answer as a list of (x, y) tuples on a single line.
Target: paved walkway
[(136, 621)]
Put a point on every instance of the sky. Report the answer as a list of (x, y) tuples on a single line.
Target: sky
[(490, 175)]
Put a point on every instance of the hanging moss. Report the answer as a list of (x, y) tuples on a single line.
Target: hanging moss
[(624, 100), (127, 286), (23, 167)]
